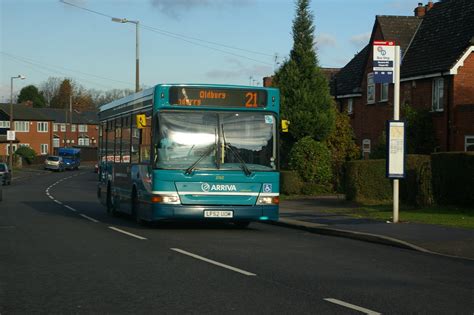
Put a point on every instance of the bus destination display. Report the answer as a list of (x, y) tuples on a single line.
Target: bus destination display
[(194, 96)]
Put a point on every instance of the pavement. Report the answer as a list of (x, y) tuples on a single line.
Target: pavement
[(314, 214)]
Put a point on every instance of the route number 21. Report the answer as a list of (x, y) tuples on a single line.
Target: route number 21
[(251, 99)]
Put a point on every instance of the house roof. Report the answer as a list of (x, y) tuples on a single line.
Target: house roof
[(446, 32), (399, 29), (349, 78), (23, 112), (59, 116)]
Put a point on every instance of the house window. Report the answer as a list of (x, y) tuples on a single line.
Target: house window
[(55, 127), (438, 94), (350, 105), (23, 145), (22, 126), (370, 89), (384, 92), (56, 142), (469, 143), (42, 126), (7, 147), (82, 128), (4, 124), (44, 149), (63, 127), (83, 141), (73, 128)]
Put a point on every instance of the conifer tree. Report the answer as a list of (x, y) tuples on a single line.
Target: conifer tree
[(61, 100), (305, 97)]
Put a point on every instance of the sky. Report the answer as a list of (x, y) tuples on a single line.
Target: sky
[(181, 41)]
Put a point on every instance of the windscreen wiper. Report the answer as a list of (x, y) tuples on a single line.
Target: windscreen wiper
[(190, 169), (227, 145)]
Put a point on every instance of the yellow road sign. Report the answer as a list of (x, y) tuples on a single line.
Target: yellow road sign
[(141, 121)]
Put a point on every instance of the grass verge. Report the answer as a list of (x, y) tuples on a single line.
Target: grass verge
[(442, 215)]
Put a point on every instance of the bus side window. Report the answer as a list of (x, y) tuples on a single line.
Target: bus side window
[(126, 140), (145, 140), (135, 145)]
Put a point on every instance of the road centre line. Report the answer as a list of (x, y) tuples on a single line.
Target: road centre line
[(352, 306), (57, 201), (213, 262), (88, 218), (127, 233), (70, 208)]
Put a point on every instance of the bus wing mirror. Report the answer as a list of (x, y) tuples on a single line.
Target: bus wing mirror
[(285, 125)]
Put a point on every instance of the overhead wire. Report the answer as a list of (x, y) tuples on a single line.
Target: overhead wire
[(188, 39)]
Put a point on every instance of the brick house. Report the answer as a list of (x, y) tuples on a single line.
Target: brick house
[(437, 73), (46, 129)]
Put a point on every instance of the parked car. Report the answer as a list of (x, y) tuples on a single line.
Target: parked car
[(5, 174), (71, 157), (55, 163)]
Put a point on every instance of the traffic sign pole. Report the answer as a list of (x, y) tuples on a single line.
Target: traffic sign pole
[(396, 116)]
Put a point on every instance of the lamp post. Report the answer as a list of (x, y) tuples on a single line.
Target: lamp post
[(10, 149), (137, 46)]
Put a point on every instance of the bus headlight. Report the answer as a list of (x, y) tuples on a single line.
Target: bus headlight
[(166, 199), (268, 200)]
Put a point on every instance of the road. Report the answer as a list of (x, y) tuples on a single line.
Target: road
[(61, 253)]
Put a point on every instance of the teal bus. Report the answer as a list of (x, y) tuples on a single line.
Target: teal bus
[(191, 152)]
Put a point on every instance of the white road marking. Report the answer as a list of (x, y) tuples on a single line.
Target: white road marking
[(58, 202), (88, 218), (352, 306), (51, 197), (70, 208), (127, 233), (213, 262)]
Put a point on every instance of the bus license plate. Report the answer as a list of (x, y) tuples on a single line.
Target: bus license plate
[(218, 214)]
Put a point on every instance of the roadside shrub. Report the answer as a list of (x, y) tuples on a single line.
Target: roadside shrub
[(365, 181), (290, 183), (312, 160), (26, 153), (415, 188), (453, 178)]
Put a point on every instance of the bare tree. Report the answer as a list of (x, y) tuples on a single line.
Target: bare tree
[(50, 88)]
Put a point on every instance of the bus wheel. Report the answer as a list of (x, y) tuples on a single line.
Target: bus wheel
[(242, 224), (109, 202), (136, 208)]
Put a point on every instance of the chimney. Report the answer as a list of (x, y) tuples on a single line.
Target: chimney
[(420, 10), (429, 6)]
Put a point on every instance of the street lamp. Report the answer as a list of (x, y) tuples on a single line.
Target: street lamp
[(10, 150), (137, 43)]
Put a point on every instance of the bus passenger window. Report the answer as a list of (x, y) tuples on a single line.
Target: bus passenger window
[(145, 140)]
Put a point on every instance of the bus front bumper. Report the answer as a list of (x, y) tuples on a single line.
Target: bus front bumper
[(158, 212)]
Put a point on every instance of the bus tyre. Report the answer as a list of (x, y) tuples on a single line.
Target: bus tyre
[(109, 202), (242, 224), (136, 208)]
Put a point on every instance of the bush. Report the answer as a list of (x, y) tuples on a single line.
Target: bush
[(365, 181), (415, 188), (453, 179), (312, 161), (26, 153), (290, 183)]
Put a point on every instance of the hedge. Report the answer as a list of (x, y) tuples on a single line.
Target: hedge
[(453, 178), (290, 183), (365, 181)]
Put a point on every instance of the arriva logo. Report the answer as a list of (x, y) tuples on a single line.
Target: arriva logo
[(207, 187)]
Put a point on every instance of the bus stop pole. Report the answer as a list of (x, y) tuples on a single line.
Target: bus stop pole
[(396, 116)]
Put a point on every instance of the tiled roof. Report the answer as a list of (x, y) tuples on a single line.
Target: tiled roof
[(445, 34), (399, 29), (349, 78), (23, 112)]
